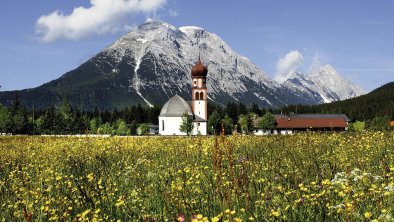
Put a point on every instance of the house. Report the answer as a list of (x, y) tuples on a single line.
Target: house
[(312, 122), (171, 115), (287, 124)]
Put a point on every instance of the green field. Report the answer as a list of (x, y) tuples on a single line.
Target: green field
[(305, 177)]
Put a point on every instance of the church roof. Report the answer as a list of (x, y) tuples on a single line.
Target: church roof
[(199, 70), (175, 107)]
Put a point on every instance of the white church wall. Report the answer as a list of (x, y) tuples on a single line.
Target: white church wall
[(200, 128), (171, 126)]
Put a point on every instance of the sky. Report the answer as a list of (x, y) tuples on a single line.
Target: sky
[(41, 40)]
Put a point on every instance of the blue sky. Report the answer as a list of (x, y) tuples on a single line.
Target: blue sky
[(354, 36)]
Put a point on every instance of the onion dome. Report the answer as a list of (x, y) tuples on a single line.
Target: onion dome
[(199, 70)]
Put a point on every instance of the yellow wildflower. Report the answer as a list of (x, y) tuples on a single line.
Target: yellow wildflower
[(275, 213)]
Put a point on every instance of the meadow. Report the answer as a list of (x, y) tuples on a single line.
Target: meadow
[(304, 177)]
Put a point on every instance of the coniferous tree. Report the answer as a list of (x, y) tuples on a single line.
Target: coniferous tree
[(232, 111), (3, 118), (105, 116), (65, 119), (254, 108), (214, 121), (49, 122), (17, 121), (242, 109)]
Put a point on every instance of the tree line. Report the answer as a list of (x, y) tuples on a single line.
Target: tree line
[(66, 120), (133, 120)]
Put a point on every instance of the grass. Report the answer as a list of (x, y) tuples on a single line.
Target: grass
[(305, 177)]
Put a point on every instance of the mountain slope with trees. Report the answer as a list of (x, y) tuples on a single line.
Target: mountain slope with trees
[(379, 102)]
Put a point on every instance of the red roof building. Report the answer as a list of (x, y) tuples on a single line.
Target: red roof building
[(320, 122)]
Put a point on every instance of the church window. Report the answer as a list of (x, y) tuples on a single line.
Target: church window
[(201, 95), (197, 97), (162, 125)]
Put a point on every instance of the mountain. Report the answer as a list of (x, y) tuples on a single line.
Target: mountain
[(153, 63), (324, 85)]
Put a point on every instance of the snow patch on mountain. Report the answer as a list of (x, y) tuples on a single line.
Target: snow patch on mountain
[(178, 49), (162, 56)]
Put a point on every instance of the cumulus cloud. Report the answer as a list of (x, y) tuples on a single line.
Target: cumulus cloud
[(288, 65), (103, 16)]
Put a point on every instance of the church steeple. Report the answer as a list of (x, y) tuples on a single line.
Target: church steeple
[(199, 90)]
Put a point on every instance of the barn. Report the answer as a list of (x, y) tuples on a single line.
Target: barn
[(313, 122), (287, 124)]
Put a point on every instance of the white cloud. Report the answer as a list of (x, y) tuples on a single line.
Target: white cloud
[(288, 65), (103, 16), (316, 63), (173, 13)]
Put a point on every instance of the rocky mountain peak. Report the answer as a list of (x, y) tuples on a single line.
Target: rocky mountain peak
[(151, 64)]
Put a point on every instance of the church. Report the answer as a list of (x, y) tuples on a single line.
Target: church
[(171, 114)]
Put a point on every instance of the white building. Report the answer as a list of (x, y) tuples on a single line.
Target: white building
[(171, 114)]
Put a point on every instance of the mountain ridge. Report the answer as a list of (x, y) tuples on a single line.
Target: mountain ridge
[(151, 64)]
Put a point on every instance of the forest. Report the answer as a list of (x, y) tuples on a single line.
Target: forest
[(135, 120)]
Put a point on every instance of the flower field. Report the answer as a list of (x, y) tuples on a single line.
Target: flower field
[(305, 177)]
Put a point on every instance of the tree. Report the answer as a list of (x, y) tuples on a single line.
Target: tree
[(358, 126), (267, 122), (65, 118), (214, 123), (246, 123), (242, 109), (227, 124), (39, 125), (17, 121), (143, 129), (380, 123), (105, 128), (187, 124), (3, 117), (232, 111), (49, 122), (81, 122), (254, 108), (95, 124), (152, 113), (121, 128)]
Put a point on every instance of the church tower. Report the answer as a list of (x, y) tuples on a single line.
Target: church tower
[(199, 91)]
